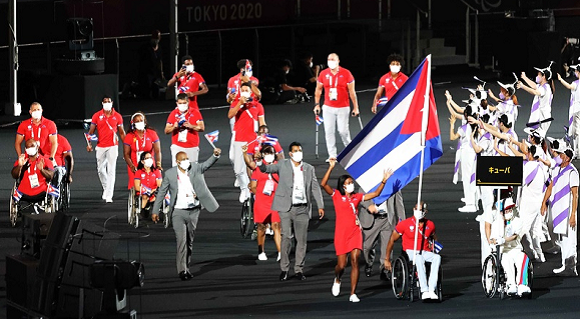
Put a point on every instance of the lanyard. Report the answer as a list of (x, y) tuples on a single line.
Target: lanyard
[(39, 128), (137, 142), (30, 164), (335, 80), (107, 121)]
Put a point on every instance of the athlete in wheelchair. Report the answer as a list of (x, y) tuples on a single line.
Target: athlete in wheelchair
[(33, 173), (147, 180), (63, 168), (406, 275), (507, 270)]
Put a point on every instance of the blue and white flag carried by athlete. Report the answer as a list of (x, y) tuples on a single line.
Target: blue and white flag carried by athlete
[(395, 137)]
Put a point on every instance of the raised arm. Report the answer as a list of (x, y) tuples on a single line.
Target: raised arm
[(324, 182), (386, 174)]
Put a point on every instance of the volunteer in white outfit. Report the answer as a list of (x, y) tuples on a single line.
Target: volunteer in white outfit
[(563, 195), (338, 85), (504, 230), (108, 123), (574, 111), (467, 160), (543, 94), (507, 100), (530, 201), (505, 134)]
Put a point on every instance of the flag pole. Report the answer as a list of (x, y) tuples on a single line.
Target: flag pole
[(316, 141), (424, 122)]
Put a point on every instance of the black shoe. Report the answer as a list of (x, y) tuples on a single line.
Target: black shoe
[(300, 276), (184, 275), (368, 271), (284, 276)]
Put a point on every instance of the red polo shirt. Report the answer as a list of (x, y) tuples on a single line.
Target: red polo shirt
[(25, 186), (392, 86), (107, 127), (63, 148), (190, 83), (338, 81), (234, 83), (193, 116), (406, 228), (148, 180), (139, 145), (39, 132), (244, 126)]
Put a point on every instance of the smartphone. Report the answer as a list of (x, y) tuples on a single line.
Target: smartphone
[(183, 67)]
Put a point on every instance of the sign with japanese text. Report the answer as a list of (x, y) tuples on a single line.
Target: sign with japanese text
[(499, 171)]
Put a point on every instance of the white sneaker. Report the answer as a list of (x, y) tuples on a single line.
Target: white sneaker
[(279, 256), (479, 218), (353, 298), (541, 257), (425, 295), (103, 196), (512, 289), (336, 288), (463, 199), (244, 194), (523, 289), (236, 183), (109, 200), (468, 209), (262, 256), (559, 270), (433, 295)]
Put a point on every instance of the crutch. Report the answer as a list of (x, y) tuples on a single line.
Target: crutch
[(316, 141), (360, 122)]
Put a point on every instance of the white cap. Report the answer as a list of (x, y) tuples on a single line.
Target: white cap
[(508, 87), (537, 132), (558, 145), (547, 69), (508, 203)]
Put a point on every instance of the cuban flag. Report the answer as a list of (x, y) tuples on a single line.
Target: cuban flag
[(382, 102), (406, 127), (91, 137), (167, 199), (437, 247), (248, 67), (17, 195), (319, 120), (212, 137), (52, 191), (183, 89), (146, 190), (269, 139)]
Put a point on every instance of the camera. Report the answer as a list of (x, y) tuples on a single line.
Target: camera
[(574, 41)]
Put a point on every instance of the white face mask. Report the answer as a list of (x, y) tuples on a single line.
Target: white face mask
[(182, 107), (332, 64), (538, 79), (419, 214), (31, 151), (245, 94), (148, 162), (107, 106), (297, 156), (509, 216), (269, 158), (36, 114), (395, 68), (184, 164), (349, 188), (249, 73), (311, 64), (287, 71), (189, 68), (139, 126)]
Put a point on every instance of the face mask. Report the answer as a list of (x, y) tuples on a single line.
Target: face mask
[(31, 151), (36, 114), (148, 162), (287, 71), (349, 188), (245, 94), (311, 64), (395, 68), (140, 126), (419, 214), (538, 79), (509, 216), (184, 164), (297, 156), (576, 74), (182, 107), (269, 158), (189, 68), (332, 64), (107, 106), (249, 73), (501, 96)]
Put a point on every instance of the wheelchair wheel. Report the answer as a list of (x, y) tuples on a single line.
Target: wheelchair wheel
[(165, 211), (530, 278), (64, 199), (136, 210), (399, 278), (50, 204), (130, 207), (490, 276), (247, 218), (439, 285), (13, 210)]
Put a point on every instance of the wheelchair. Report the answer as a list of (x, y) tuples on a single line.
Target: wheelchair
[(134, 204), (247, 218), (63, 202), (405, 281), (493, 276), (47, 205)]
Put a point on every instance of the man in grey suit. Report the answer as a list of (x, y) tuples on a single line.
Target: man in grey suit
[(293, 201), (378, 222), (186, 184)]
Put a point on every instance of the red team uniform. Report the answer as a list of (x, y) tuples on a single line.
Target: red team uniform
[(39, 133), (247, 121), (347, 233), (406, 228), (263, 212), (391, 87), (139, 145), (336, 82), (107, 127), (33, 185), (234, 84), (63, 148), (190, 83), (187, 139)]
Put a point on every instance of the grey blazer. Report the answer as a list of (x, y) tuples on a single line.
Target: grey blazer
[(395, 210), (283, 198), (197, 179)]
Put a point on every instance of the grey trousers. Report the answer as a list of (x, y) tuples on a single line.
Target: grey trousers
[(184, 225), (381, 230), (294, 225)]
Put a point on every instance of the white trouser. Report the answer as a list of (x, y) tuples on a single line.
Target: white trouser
[(467, 169), (237, 159), (107, 167), (485, 247), (335, 118), (508, 260), (420, 259), (532, 228), (568, 245), (486, 198), (575, 132), (192, 153)]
